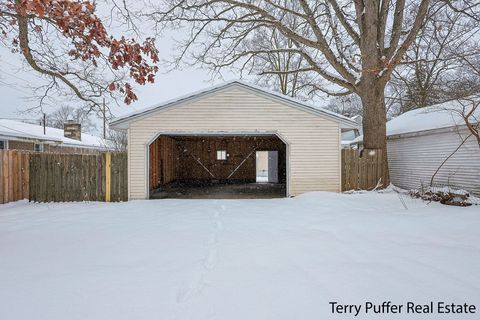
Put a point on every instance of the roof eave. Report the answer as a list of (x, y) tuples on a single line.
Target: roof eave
[(419, 133), (427, 132), (122, 122), (28, 138)]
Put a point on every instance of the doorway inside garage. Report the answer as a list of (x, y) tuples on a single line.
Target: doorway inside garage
[(217, 167), (267, 166)]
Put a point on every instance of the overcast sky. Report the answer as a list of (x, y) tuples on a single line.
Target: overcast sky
[(15, 81)]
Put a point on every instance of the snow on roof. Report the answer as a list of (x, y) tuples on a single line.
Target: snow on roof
[(439, 116), (132, 115), (18, 129), (358, 139)]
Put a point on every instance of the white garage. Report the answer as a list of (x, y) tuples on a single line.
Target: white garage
[(216, 136)]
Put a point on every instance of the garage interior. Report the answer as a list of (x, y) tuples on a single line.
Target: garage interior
[(217, 167)]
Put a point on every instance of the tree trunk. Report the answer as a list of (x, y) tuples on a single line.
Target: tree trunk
[(372, 94)]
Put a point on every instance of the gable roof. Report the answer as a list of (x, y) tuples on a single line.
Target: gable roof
[(21, 130), (123, 121)]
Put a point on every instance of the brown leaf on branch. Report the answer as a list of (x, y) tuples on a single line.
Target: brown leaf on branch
[(83, 33)]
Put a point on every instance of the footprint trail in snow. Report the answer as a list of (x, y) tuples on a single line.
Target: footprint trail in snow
[(198, 282)]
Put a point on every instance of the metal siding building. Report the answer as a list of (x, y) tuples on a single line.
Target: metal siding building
[(414, 158), (420, 140)]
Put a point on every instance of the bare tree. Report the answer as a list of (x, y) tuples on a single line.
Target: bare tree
[(349, 106), (278, 69), (65, 113), (470, 114), (354, 45), (117, 140), (67, 43), (468, 108), (284, 71), (435, 63)]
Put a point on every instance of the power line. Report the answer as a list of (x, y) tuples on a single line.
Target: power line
[(4, 61), (15, 76), (11, 86), (21, 119)]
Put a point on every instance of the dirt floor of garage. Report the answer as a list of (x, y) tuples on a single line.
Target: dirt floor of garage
[(220, 191)]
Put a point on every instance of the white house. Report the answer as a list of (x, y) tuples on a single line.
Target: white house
[(17, 135), (349, 135), (419, 141)]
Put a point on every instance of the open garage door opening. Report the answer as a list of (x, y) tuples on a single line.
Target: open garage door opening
[(217, 167)]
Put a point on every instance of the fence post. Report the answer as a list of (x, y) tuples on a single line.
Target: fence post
[(108, 177)]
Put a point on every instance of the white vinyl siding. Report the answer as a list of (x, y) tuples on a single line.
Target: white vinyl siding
[(313, 151), (413, 161)]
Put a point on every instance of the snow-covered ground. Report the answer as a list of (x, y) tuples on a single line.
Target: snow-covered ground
[(235, 259)]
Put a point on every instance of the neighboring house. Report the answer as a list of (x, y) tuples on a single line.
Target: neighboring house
[(420, 140), (17, 135), (349, 135), (213, 135), (359, 121)]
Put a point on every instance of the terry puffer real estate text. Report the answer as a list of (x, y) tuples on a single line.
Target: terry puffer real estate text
[(388, 307)]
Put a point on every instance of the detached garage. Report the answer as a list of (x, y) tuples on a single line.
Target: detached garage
[(233, 140)]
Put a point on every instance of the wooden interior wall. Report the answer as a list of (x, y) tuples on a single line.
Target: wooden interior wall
[(194, 158), (163, 164), (238, 148)]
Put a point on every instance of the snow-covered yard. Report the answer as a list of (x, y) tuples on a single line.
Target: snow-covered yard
[(235, 259)]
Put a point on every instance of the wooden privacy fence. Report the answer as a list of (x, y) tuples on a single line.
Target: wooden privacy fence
[(78, 177), (363, 173), (49, 177), (14, 175)]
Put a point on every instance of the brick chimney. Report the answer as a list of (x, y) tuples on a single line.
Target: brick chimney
[(72, 130)]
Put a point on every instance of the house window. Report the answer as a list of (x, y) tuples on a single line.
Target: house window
[(37, 147), (221, 155), (3, 145)]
